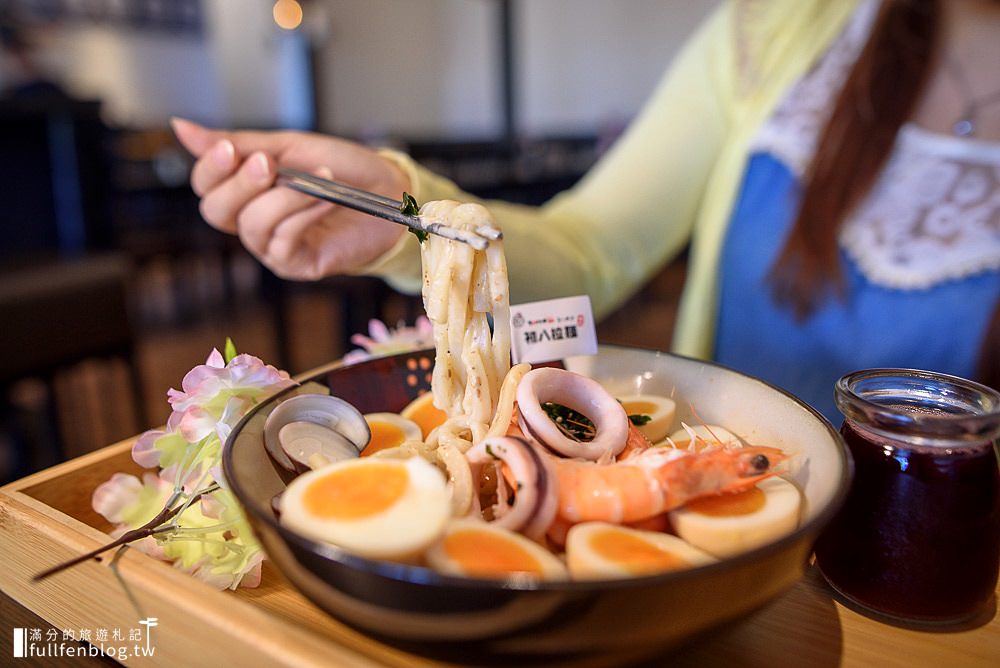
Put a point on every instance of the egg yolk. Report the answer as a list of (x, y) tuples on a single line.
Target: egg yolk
[(482, 553), (384, 436), (425, 414), (634, 553), (724, 505), (639, 407), (356, 492)]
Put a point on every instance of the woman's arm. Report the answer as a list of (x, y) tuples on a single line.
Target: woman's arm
[(632, 212)]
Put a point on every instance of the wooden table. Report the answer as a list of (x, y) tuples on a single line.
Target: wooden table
[(46, 518)]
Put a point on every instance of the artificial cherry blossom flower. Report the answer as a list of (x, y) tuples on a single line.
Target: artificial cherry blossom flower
[(210, 539), (383, 341), (216, 394)]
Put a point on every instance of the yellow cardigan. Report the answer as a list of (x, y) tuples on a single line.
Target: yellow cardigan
[(671, 178)]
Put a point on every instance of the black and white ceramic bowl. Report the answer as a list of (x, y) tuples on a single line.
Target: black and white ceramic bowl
[(440, 615)]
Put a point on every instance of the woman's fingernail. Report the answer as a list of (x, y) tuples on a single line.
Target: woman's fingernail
[(179, 122), (223, 153), (259, 167), (324, 173)]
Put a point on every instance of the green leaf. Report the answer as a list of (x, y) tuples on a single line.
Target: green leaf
[(410, 208), (573, 424), (230, 351), (639, 420)]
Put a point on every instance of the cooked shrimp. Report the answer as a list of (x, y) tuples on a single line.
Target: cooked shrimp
[(635, 443), (656, 480)]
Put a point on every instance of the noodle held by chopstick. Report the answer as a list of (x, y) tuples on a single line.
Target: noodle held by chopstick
[(461, 288)]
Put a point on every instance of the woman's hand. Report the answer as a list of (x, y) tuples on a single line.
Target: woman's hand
[(293, 234)]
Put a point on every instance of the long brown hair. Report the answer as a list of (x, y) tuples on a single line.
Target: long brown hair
[(879, 96)]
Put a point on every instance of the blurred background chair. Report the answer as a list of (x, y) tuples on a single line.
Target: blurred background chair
[(63, 289), (56, 315)]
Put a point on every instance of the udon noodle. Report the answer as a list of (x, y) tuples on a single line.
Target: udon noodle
[(462, 288)]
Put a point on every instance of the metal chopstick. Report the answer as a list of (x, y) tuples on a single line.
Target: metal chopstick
[(381, 207)]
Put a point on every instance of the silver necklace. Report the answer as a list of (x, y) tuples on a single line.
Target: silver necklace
[(965, 126)]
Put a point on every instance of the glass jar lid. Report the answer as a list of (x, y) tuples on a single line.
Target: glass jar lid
[(921, 407)]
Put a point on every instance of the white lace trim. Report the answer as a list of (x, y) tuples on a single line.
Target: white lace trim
[(792, 130), (933, 215)]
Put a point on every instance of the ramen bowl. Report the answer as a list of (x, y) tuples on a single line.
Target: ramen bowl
[(441, 615)]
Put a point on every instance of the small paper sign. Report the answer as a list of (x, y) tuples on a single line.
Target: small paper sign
[(552, 330)]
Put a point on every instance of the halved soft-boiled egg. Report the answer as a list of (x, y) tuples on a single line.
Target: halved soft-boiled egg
[(661, 411), (423, 411), (477, 549), (598, 550), (704, 435), (388, 431), (376, 508), (728, 524)]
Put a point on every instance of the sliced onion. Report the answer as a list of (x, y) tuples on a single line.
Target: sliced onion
[(535, 497), (581, 394)]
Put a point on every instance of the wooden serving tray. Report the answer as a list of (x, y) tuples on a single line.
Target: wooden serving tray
[(46, 518)]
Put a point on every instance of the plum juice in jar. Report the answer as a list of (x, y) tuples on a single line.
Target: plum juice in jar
[(918, 538)]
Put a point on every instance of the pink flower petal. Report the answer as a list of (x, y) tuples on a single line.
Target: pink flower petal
[(362, 340), (113, 496), (378, 330), (215, 359), (218, 476), (355, 356), (251, 577), (198, 375), (144, 450), (196, 423), (210, 506), (149, 546), (250, 370)]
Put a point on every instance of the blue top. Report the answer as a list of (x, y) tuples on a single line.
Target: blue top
[(938, 329)]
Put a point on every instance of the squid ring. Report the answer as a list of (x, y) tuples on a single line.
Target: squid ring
[(581, 394), (536, 498)]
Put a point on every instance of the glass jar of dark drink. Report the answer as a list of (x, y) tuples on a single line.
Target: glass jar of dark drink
[(918, 538)]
